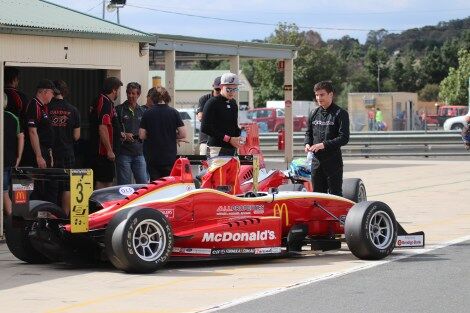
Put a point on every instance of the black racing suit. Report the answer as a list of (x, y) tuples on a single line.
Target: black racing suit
[(330, 127)]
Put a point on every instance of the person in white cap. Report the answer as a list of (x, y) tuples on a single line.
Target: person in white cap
[(220, 120)]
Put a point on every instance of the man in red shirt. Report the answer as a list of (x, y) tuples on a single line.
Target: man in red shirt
[(105, 133)]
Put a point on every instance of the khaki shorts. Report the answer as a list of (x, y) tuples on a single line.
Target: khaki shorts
[(203, 149), (219, 151)]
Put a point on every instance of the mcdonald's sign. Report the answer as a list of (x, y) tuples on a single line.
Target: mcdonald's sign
[(21, 197), (279, 209)]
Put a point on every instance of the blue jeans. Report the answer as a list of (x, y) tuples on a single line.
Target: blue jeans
[(127, 165)]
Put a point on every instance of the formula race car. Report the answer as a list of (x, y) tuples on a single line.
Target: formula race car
[(138, 228)]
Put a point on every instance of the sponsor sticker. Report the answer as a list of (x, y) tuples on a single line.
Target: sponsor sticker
[(192, 250), (126, 190), (268, 250), (169, 213), (17, 187), (242, 209), (20, 196), (279, 209), (259, 235), (410, 241), (233, 251)]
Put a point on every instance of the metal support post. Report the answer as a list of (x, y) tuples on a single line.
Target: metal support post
[(170, 63)]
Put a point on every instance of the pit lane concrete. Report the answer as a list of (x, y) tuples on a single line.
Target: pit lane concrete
[(429, 195)]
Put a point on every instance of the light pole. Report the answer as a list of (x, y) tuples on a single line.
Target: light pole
[(114, 5), (378, 76)]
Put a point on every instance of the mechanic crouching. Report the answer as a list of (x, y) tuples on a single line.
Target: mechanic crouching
[(328, 130)]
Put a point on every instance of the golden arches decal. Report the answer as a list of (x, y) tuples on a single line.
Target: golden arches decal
[(21, 197), (279, 209)]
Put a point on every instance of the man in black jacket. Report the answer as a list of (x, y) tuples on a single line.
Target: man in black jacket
[(220, 119), (200, 109), (328, 130)]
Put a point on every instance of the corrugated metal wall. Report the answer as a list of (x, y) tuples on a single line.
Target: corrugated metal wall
[(84, 86)]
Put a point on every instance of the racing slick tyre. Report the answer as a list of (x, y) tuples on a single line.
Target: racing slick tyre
[(139, 240), (370, 230), (354, 190), (18, 237)]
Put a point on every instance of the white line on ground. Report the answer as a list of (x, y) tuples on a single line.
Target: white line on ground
[(408, 253)]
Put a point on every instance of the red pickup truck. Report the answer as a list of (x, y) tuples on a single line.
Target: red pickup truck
[(444, 112), (273, 118)]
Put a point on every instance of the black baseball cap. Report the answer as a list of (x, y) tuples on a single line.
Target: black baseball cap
[(216, 83), (47, 84)]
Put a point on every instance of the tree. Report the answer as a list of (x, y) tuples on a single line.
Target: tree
[(314, 63), (454, 88), (433, 67), (375, 38), (376, 64), (430, 92)]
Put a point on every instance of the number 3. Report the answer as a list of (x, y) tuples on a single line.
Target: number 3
[(79, 198)]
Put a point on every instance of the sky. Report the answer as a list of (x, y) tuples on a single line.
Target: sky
[(245, 20)]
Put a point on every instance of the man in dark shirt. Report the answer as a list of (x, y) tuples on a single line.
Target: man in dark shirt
[(39, 133), (160, 127), (200, 109), (130, 160), (328, 130), (40, 139), (17, 100), (220, 119), (105, 133), (12, 151), (66, 125)]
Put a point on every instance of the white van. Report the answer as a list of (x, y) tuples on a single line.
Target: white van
[(190, 114)]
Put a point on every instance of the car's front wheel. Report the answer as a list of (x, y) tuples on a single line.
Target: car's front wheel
[(139, 240), (370, 230)]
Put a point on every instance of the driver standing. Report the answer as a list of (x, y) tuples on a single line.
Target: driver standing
[(328, 130)]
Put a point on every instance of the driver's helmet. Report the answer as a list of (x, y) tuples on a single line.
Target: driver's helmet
[(300, 168)]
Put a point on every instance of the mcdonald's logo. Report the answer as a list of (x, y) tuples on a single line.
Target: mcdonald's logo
[(279, 209), (21, 196)]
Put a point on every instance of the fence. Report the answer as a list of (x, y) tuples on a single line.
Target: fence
[(381, 144)]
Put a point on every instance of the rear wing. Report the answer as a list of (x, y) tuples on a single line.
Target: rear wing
[(24, 180)]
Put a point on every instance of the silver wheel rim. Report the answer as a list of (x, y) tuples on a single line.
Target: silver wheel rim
[(381, 229), (362, 196), (149, 240)]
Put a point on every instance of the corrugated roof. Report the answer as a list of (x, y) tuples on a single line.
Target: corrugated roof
[(195, 80), (38, 17)]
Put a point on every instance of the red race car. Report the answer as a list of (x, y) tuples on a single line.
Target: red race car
[(140, 227)]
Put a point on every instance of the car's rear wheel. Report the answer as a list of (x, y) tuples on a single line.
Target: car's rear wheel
[(139, 240), (371, 230), (354, 190), (18, 237), (457, 126)]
